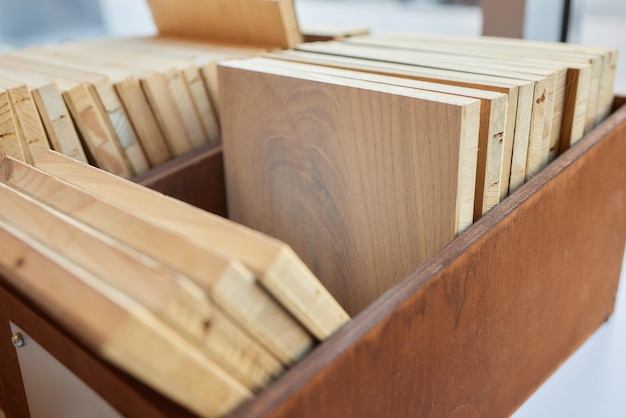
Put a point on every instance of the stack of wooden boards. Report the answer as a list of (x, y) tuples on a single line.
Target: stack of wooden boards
[(204, 310), (369, 155), (124, 105)]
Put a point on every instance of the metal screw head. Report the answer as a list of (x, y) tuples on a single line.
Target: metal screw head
[(18, 340)]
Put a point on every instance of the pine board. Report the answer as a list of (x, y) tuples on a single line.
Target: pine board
[(118, 328), (27, 117), (272, 262), (229, 285)]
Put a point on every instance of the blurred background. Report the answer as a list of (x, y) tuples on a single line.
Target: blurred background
[(593, 22)]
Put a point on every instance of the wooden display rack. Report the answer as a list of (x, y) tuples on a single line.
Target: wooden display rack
[(472, 332)]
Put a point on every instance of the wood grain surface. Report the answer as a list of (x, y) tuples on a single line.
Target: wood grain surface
[(119, 329), (130, 93), (172, 297), (10, 141), (520, 94), (303, 150), (106, 99), (27, 117), (272, 262), (478, 312), (493, 114), (229, 285), (267, 23)]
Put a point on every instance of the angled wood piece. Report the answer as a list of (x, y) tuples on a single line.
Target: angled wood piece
[(267, 23), (229, 285), (27, 117), (130, 93), (53, 112), (350, 163), (168, 295), (520, 94), (10, 142), (542, 104), (116, 326), (272, 262), (106, 99), (190, 70), (166, 91), (313, 32), (492, 128), (88, 118)]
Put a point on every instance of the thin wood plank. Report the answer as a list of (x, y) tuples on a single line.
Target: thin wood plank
[(121, 391), (164, 89), (493, 113), (171, 297), (118, 328), (362, 163), (105, 151), (272, 262), (542, 103), (317, 31), (106, 99), (27, 117), (229, 285), (10, 142), (267, 23), (519, 94), (53, 112), (130, 93)]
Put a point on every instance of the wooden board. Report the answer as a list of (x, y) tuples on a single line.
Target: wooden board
[(88, 118), (107, 101), (53, 112), (118, 328), (10, 142), (166, 92), (205, 54), (542, 104), (229, 285), (313, 32), (600, 88), (189, 70), (130, 93), (519, 105), (492, 121), (168, 295), (272, 262), (267, 23), (354, 156), (28, 120)]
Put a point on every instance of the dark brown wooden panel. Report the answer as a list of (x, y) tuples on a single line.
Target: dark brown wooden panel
[(478, 328), (196, 178)]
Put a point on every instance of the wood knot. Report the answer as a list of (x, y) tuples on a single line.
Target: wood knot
[(20, 262), (542, 98)]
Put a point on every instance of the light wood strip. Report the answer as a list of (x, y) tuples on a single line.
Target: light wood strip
[(116, 326), (272, 262), (170, 296), (27, 118), (230, 285)]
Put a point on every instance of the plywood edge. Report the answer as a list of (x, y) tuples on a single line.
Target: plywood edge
[(366, 327)]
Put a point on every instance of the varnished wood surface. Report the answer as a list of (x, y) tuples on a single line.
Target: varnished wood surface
[(492, 315)]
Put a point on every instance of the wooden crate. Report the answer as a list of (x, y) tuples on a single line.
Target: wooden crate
[(472, 332)]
